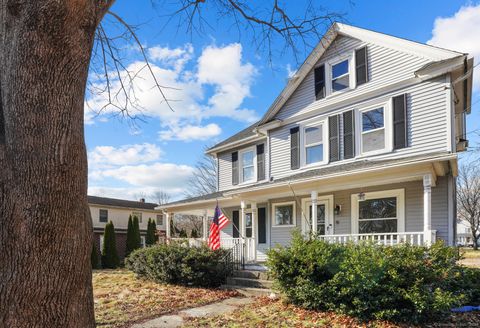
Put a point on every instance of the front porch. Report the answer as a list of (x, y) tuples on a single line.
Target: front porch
[(408, 204)]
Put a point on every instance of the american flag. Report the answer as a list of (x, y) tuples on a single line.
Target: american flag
[(218, 223)]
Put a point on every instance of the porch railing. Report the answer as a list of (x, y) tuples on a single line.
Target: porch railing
[(245, 246), (388, 239)]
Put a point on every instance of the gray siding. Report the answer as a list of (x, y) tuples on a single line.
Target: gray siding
[(385, 66), (426, 122)]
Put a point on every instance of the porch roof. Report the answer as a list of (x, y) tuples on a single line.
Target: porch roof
[(328, 172)]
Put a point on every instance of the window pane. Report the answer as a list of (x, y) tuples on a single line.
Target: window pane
[(373, 119), (341, 83), (313, 135), (248, 173), (159, 219), (314, 154), (374, 140), (284, 215), (103, 216), (320, 218), (247, 158), (248, 220), (377, 226), (378, 208), (340, 69)]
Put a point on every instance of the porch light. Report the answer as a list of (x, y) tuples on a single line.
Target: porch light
[(338, 209), (361, 196)]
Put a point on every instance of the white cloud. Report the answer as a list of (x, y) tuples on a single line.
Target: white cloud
[(460, 32), (290, 72), (191, 132), (106, 156), (220, 68)]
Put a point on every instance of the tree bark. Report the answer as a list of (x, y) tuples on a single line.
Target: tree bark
[(45, 233)]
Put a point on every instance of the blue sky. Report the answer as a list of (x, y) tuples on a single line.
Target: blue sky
[(221, 84)]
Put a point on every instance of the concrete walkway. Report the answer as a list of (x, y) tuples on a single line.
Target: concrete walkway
[(176, 320)]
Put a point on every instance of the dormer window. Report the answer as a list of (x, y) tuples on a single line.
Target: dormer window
[(340, 76)]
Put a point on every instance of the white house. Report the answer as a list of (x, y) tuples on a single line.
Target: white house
[(363, 138)]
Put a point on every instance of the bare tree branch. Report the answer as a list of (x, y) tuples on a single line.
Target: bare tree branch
[(161, 197), (204, 178), (468, 198)]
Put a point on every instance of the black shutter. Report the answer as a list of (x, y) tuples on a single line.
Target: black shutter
[(235, 168), (294, 148), (236, 223), (260, 162), (361, 68), (319, 82), (400, 121), (333, 138), (348, 134), (262, 226)]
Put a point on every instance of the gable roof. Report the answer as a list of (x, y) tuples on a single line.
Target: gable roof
[(416, 48), (94, 200)]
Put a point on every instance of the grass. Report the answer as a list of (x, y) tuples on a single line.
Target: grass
[(122, 299), (471, 257), (267, 313)]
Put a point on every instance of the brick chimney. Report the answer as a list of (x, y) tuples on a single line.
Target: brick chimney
[(142, 200)]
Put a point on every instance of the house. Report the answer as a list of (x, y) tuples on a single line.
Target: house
[(363, 138), (104, 210), (464, 233)]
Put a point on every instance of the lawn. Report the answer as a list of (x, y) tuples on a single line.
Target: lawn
[(471, 257), (268, 313), (122, 299)]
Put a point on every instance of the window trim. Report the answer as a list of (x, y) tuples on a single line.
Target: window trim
[(99, 215), (387, 126), (398, 193), (294, 218), (156, 219), (329, 74), (303, 151), (254, 164)]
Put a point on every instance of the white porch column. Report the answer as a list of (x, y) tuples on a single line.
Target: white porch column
[(254, 231), (314, 196), (427, 209), (205, 225), (242, 219), (167, 224)]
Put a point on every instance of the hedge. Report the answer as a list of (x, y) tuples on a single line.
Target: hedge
[(404, 283), (180, 264)]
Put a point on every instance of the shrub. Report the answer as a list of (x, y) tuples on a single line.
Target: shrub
[(180, 264), (94, 256), (369, 281), (109, 251), (151, 229)]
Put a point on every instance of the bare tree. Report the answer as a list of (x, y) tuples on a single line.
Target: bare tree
[(204, 178), (161, 197), (468, 198), (46, 48)]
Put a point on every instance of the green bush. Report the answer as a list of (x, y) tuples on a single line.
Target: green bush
[(403, 283), (109, 251), (180, 265), (94, 256)]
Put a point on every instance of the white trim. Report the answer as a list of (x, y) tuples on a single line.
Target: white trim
[(294, 218), (450, 114), (308, 124), (398, 193), (240, 165), (451, 214), (329, 210), (237, 143)]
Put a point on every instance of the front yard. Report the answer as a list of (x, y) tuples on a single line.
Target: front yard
[(121, 299), (471, 257)]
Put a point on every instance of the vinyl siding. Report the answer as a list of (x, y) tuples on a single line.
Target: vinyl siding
[(385, 66), (426, 125), (342, 222)]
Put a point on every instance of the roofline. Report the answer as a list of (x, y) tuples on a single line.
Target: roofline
[(216, 150), (124, 207)]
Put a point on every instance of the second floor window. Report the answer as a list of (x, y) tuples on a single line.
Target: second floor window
[(313, 144), (340, 76), (103, 215), (159, 219), (247, 160), (138, 215), (373, 130)]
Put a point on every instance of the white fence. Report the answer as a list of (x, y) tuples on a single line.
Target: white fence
[(389, 239)]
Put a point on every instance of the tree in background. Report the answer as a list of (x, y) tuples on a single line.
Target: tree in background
[(46, 52), (94, 256), (204, 177), (109, 252), (183, 233), (151, 237), (468, 198), (161, 197), (131, 239), (136, 233), (194, 234)]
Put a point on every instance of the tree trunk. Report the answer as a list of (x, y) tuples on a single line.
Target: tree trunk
[(45, 233)]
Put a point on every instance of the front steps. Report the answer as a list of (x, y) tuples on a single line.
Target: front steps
[(250, 282)]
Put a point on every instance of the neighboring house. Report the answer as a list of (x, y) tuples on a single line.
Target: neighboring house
[(104, 210), (464, 234), (364, 138)]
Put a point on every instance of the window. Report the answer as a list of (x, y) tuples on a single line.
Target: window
[(313, 144), (321, 215), (103, 216), (373, 130), (248, 225), (142, 241), (138, 215), (159, 219), (101, 243), (247, 162), (340, 76), (378, 212), (284, 214)]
